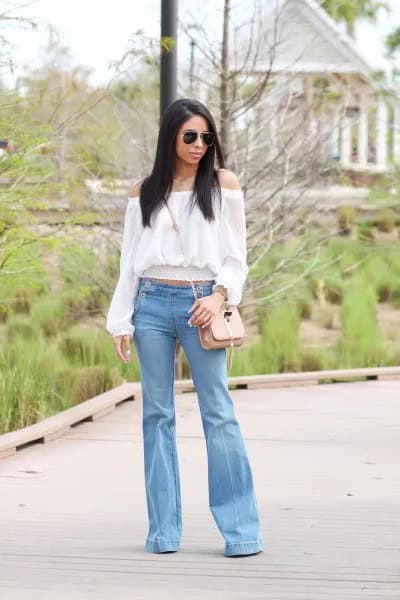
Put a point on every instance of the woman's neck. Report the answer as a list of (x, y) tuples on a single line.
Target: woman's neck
[(185, 171)]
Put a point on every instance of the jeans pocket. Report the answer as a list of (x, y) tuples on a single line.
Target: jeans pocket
[(140, 296)]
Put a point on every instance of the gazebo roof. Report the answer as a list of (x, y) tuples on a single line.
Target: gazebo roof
[(308, 40)]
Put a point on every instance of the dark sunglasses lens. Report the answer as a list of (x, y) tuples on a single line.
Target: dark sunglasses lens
[(189, 137), (209, 138)]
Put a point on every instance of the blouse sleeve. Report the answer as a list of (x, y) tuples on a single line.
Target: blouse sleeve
[(234, 269), (119, 316)]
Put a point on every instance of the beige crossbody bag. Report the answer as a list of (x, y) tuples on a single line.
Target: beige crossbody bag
[(226, 329)]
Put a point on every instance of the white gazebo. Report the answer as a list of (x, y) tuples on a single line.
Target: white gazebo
[(302, 42)]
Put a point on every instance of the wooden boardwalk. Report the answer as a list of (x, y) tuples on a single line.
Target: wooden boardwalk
[(326, 467)]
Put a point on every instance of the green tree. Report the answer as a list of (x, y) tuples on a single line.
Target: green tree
[(96, 131), (393, 42), (350, 11), (61, 96), (24, 173)]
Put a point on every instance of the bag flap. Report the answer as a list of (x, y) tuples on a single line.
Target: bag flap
[(219, 325)]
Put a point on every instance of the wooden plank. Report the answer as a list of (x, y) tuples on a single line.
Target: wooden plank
[(4, 452), (332, 374), (254, 385), (56, 433), (57, 425)]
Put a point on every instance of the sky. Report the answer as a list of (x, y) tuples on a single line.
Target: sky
[(99, 33)]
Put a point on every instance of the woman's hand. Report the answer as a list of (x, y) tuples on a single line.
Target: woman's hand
[(205, 309), (122, 346)]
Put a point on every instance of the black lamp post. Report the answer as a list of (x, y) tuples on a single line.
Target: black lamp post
[(168, 67)]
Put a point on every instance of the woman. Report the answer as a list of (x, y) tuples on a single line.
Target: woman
[(154, 303)]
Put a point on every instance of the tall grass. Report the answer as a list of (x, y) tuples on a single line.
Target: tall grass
[(55, 352), (361, 343), (27, 382), (278, 349), (40, 376)]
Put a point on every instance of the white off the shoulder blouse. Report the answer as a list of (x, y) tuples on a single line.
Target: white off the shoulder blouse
[(217, 247)]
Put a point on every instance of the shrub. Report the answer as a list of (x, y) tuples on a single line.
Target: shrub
[(365, 233), (346, 215), (20, 327), (51, 326), (304, 306), (278, 350), (334, 291), (78, 306), (4, 313), (23, 301), (49, 315), (95, 302), (80, 347), (326, 317), (312, 360), (383, 291), (386, 221), (378, 272), (94, 380), (361, 344), (74, 306)]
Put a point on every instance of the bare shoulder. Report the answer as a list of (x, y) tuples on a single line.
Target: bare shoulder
[(228, 179), (135, 189)]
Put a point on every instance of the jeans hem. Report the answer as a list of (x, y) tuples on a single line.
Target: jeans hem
[(243, 548), (162, 545)]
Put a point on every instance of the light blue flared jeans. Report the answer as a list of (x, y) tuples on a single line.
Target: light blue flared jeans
[(160, 317)]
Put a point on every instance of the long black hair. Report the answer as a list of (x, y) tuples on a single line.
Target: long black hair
[(156, 188)]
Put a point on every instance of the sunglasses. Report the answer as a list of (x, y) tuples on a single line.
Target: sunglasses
[(190, 135)]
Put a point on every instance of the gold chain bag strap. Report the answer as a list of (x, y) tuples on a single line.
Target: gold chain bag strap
[(226, 329)]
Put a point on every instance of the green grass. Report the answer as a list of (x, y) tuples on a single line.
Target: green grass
[(38, 378), (55, 351), (278, 350), (361, 344)]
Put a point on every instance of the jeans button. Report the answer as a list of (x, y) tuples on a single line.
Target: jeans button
[(147, 283)]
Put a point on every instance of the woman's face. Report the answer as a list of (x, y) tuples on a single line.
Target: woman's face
[(191, 153)]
